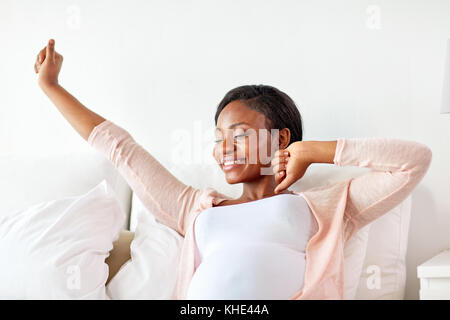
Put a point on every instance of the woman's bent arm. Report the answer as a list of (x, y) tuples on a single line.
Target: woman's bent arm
[(397, 168)]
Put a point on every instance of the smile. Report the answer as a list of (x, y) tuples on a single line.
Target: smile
[(228, 165)]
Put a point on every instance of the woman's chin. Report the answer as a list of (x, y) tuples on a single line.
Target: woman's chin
[(241, 173), (240, 176), (232, 178)]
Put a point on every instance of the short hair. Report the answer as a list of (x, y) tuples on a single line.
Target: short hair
[(277, 106)]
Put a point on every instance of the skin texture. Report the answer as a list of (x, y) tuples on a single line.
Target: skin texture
[(231, 142), (287, 168)]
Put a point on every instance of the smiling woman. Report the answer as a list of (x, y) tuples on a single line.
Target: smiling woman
[(252, 122), (269, 232), (238, 238)]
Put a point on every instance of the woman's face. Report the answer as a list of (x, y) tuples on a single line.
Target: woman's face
[(243, 143)]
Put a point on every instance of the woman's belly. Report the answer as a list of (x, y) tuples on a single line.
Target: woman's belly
[(248, 271)]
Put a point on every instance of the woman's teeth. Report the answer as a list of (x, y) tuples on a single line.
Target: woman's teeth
[(229, 163)]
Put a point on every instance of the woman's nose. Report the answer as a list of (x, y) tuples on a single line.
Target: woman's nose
[(228, 146)]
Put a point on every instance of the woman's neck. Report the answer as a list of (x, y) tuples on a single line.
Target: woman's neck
[(260, 188)]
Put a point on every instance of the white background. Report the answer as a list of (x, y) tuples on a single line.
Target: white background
[(355, 68)]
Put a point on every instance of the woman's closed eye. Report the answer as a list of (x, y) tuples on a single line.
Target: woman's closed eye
[(235, 137)]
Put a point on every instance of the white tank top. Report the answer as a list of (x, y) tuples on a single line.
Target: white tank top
[(252, 250)]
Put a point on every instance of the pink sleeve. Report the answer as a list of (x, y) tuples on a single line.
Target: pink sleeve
[(162, 194), (398, 167)]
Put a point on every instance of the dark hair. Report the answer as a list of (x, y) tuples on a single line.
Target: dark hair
[(276, 105)]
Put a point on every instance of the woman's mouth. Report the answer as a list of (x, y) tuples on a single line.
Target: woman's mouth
[(230, 165)]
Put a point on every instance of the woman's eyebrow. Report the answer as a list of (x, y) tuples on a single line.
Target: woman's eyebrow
[(234, 125)]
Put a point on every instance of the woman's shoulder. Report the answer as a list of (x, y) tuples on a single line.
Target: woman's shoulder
[(211, 197)]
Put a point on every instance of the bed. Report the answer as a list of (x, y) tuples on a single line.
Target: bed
[(375, 257)]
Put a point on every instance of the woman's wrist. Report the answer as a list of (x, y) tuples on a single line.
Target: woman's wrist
[(46, 87), (319, 151)]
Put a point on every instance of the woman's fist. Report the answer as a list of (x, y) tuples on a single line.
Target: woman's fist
[(289, 165), (48, 64)]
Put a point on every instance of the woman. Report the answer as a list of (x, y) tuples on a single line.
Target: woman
[(270, 243)]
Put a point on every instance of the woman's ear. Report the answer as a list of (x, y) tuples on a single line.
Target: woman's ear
[(284, 138)]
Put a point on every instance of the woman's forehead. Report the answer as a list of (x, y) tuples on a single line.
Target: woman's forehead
[(236, 113)]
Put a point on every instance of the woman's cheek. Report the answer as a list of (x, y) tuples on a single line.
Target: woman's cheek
[(215, 153)]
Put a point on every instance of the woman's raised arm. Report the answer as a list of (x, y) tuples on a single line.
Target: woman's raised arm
[(48, 64), (165, 196)]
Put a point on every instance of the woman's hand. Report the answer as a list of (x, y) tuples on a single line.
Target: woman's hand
[(48, 64), (290, 164)]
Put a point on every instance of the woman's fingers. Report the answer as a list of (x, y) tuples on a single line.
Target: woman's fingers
[(280, 153), (280, 156), (279, 163), (36, 64), (279, 177), (41, 55), (50, 53), (279, 160), (47, 51), (58, 57), (279, 166), (39, 60), (284, 184)]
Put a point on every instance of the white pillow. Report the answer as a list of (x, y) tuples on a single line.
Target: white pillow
[(155, 254), (380, 246), (57, 249), (384, 270), (354, 254)]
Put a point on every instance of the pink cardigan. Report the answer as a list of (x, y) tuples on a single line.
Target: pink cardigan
[(341, 208)]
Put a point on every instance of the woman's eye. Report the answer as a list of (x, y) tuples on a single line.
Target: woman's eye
[(236, 136)]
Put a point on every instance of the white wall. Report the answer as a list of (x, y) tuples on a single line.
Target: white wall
[(355, 68)]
